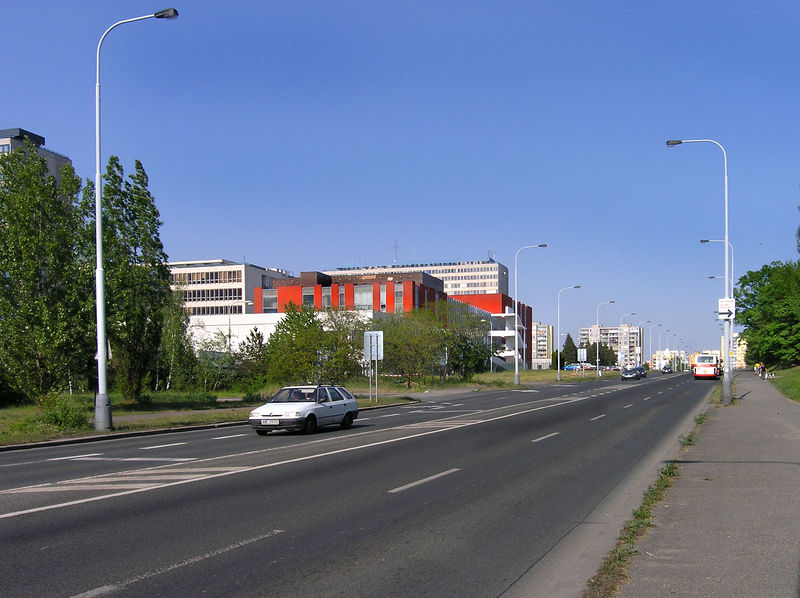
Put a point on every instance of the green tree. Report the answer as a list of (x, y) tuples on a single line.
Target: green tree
[(137, 278), (768, 306), (45, 332), (342, 345), (409, 348), (569, 354), (252, 357), (176, 358), (215, 367), (293, 351)]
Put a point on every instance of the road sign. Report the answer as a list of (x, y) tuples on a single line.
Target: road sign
[(726, 309), (373, 345), (582, 355)]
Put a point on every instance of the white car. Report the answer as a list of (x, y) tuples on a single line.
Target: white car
[(305, 408)]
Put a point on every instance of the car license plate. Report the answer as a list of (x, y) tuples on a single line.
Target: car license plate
[(270, 422)]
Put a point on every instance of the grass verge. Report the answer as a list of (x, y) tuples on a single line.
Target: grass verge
[(613, 573), (614, 570), (787, 381)]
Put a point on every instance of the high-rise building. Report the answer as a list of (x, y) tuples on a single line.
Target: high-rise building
[(459, 278), (11, 139), (625, 340)]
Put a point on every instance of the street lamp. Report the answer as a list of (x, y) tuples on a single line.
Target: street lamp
[(102, 406), (558, 328), (659, 341), (727, 324), (597, 352), (733, 278), (516, 315), (651, 341)]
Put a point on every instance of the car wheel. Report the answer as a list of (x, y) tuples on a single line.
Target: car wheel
[(262, 432), (310, 426), (347, 421)]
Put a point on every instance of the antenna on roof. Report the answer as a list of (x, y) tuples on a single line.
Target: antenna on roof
[(491, 255), (395, 252)]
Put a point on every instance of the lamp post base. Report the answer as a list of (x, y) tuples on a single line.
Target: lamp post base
[(102, 413)]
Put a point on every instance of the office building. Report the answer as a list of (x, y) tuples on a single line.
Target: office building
[(220, 287), (625, 340), (459, 278), (11, 139)]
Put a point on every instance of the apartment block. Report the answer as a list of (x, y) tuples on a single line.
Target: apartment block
[(11, 139)]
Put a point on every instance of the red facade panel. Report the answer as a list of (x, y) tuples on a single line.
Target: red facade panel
[(258, 300)]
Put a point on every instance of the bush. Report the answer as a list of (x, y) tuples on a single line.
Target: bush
[(63, 412)]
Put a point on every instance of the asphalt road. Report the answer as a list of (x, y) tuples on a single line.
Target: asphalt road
[(479, 494)]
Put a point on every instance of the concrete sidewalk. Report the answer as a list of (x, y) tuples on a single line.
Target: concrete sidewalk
[(730, 526)]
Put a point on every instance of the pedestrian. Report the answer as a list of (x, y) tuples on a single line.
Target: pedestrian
[(763, 371)]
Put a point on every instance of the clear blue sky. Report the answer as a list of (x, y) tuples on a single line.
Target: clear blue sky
[(312, 135)]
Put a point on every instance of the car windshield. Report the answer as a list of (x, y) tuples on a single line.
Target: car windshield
[(294, 395), (706, 359)]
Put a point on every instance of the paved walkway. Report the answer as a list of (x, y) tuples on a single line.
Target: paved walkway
[(730, 526)]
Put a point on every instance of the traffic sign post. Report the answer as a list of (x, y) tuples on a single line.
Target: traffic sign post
[(726, 309), (373, 351)]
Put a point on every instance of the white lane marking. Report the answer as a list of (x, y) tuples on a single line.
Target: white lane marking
[(545, 437), (626, 406), (390, 415), (647, 398), (158, 446), (74, 457), (596, 418), (103, 590), (424, 481), (231, 436), (527, 390)]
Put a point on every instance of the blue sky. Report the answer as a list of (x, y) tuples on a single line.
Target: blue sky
[(313, 135)]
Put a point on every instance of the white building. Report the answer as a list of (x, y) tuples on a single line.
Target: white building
[(220, 287), (625, 340), (460, 278)]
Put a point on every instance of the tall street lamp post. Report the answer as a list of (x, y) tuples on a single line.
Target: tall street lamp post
[(102, 406), (727, 383), (597, 352), (651, 342), (558, 328), (516, 314)]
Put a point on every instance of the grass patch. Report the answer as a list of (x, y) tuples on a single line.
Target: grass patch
[(614, 570), (787, 381)]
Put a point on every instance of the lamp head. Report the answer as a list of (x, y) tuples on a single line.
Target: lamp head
[(672, 142), (167, 13)]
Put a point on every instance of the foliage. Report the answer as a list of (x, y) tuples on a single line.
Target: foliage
[(62, 411), (409, 350), (136, 274), (44, 339), (607, 355), (176, 358), (293, 351), (342, 346), (569, 353), (768, 306), (216, 366)]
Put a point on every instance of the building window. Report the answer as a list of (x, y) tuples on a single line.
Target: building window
[(326, 298), (363, 296), (383, 296), (269, 301), (398, 297), (308, 296)]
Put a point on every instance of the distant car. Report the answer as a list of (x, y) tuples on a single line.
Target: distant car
[(642, 371), (573, 366), (305, 408), (630, 374), (666, 370)]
